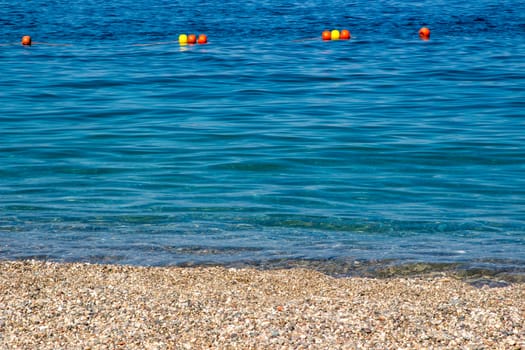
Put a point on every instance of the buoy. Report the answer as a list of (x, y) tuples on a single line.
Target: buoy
[(192, 39), (203, 39), (345, 34), (424, 33), (26, 40), (327, 35), (335, 34), (183, 39)]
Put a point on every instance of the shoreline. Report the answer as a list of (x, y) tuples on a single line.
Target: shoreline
[(343, 268), (491, 274), (48, 305)]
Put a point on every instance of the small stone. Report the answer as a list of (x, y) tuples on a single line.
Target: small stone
[(50, 306)]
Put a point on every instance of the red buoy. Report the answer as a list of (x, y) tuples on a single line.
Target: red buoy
[(203, 39), (345, 34), (192, 38), (26, 40), (424, 33)]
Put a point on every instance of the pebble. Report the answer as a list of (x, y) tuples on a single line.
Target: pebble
[(83, 306)]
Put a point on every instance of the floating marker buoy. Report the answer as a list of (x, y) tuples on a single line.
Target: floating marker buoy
[(344, 34), (26, 40), (192, 39), (424, 33), (203, 39), (183, 39)]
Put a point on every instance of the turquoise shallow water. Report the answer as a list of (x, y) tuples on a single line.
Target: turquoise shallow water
[(266, 145)]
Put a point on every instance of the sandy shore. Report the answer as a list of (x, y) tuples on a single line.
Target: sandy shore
[(80, 306)]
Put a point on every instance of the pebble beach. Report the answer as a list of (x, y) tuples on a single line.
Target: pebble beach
[(47, 305)]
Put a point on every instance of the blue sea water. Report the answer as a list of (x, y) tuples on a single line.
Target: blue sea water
[(266, 145)]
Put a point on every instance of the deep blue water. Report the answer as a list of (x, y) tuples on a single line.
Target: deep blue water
[(267, 144)]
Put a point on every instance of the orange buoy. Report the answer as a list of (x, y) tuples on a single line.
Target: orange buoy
[(335, 34), (203, 39), (424, 33), (26, 40), (192, 39), (345, 34), (327, 35)]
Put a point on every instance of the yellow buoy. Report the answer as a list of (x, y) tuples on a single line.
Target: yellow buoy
[(183, 39), (335, 34)]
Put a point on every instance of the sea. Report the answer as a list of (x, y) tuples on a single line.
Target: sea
[(267, 146)]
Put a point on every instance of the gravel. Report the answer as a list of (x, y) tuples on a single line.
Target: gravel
[(47, 305)]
